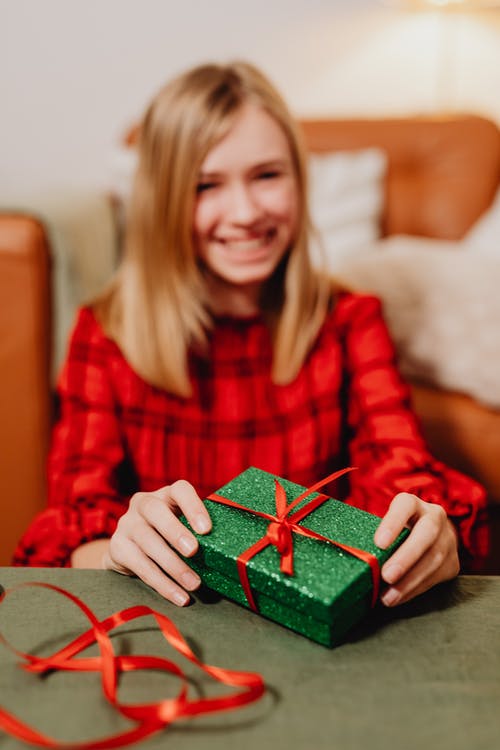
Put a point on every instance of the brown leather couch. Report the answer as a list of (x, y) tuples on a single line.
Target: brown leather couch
[(443, 173)]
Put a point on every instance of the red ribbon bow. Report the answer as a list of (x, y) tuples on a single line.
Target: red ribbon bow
[(149, 717), (280, 532)]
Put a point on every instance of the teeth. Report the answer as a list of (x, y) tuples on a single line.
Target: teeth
[(247, 245)]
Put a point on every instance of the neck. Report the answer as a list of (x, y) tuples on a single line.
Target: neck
[(230, 299)]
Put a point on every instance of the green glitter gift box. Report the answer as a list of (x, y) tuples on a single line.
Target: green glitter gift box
[(265, 562)]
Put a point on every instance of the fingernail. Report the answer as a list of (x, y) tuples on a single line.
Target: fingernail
[(190, 580), (187, 544), (390, 597), (382, 538), (391, 573), (180, 598), (201, 524)]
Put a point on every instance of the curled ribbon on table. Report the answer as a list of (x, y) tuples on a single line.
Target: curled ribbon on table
[(148, 718), (280, 532)]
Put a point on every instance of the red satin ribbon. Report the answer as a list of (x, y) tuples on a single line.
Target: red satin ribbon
[(280, 532), (149, 717)]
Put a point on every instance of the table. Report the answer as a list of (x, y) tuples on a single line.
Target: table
[(423, 675)]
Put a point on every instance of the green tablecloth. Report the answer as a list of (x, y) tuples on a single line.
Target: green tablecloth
[(424, 675)]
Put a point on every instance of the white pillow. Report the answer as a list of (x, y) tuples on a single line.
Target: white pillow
[(484, 236), (346, 197), (442, 307)]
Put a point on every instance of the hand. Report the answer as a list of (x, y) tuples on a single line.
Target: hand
[(429, 554), (148, 534)]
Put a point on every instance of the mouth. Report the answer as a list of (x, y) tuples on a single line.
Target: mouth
[(248, 245)]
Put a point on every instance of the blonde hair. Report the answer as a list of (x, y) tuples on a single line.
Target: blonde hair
[(156, 308)]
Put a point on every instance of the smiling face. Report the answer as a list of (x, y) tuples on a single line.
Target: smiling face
[(246, 209)]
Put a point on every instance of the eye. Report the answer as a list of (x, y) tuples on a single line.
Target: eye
[(202, 187), (269, 174)]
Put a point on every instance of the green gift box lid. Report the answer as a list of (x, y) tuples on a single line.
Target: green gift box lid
[(330, 589)]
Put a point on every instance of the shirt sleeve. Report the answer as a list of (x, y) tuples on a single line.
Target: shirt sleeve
[(86, 456), (385, 439)]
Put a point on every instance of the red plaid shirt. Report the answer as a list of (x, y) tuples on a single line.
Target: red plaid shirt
[(117, 435)]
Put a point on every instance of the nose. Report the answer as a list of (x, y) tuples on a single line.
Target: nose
[(244, 208)]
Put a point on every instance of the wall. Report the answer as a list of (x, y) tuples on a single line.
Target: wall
[(74, 73)]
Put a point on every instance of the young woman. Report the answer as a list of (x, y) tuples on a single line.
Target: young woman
[(218, 347)]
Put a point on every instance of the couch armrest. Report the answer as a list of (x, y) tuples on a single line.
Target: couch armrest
[(25, 395), (465, 435)]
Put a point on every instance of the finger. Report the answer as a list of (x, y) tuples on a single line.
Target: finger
[(423, 536), (145, 569), (439, 564), (156, 509), (395, 595), (421, 578), (186, 498), (182, 496), (154, 547), (156, 512), (402, 508)]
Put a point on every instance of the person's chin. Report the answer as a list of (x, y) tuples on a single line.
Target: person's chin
[(242, 274), (250, 267)]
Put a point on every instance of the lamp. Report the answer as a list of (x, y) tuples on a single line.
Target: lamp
[(449, 15), (444, 4)]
